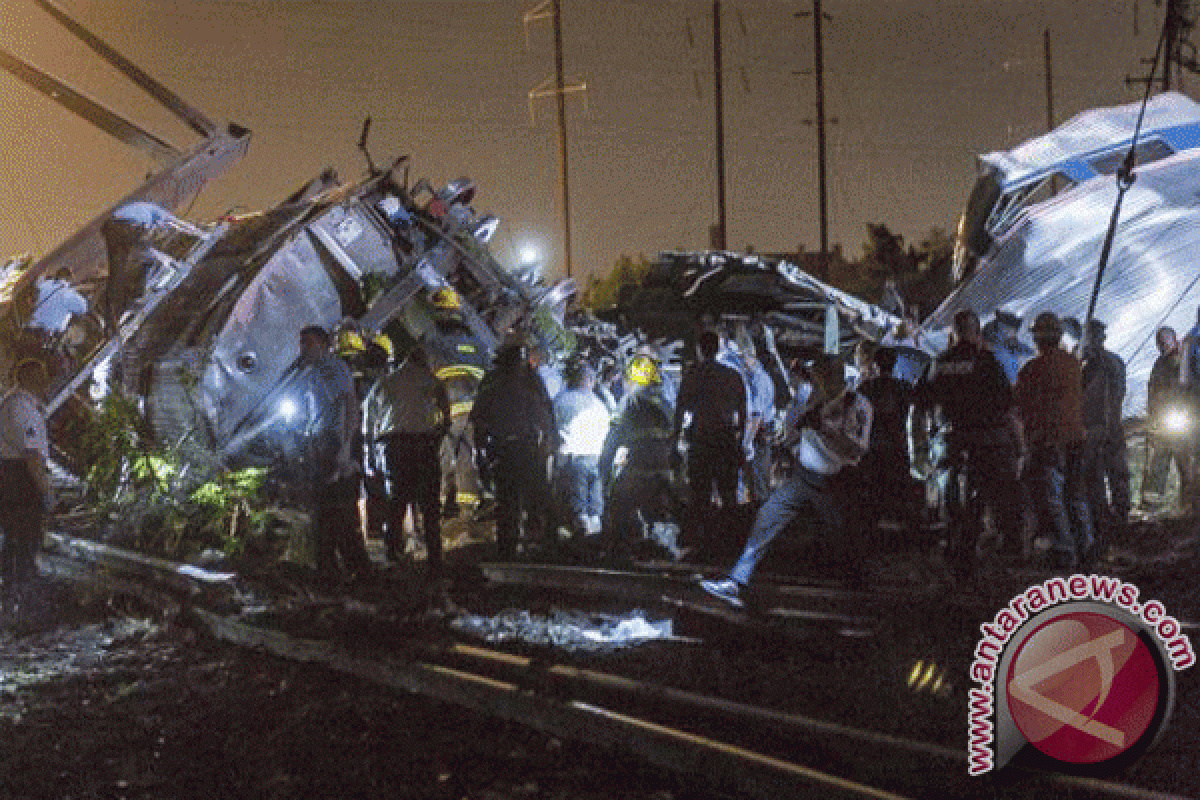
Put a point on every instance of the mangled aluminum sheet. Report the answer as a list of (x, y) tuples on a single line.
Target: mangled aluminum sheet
[(1048, 262)]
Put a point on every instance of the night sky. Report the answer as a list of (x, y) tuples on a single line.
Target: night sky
[(919, 87)]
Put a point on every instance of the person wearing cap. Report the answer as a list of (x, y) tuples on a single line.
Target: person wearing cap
[(583, 423), (635, 462), (25, 491), (968, 385), (1049, 393), (828, 432), (513, 420), (406, 415), (712, 406), (1168, 418), (332, 459), (1105, 462)]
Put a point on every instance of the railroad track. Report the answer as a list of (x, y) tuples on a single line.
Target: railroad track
[(732, 746)]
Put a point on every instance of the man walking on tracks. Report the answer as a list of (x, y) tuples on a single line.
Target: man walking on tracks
[(827, 434), (24, 483), (968, 384)]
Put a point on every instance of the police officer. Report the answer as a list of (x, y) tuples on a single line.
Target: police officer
[(513, 420), (635, 463), (714, 398), (969, 386)]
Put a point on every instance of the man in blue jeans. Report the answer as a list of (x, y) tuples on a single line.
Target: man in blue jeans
[(829, 433)]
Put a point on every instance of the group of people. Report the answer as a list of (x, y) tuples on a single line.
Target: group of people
[(1030, 440)]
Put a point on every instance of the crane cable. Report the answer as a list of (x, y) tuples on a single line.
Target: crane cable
[(1125, 177)]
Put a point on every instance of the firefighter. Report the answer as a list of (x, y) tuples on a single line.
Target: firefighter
[(635, 463), (460, 361)]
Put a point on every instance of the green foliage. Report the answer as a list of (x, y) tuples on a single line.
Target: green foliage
[(601, 293), (158, 502)]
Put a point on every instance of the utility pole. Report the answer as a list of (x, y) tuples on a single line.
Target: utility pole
[(1049, 96), (719, 240), (1049, 80), (557, 86), (562, 133), (822, 187), (1171, 30)]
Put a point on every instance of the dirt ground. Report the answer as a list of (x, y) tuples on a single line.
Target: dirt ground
[(98, 702)]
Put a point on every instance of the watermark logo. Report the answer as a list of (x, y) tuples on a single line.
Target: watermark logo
[(1073, 674)]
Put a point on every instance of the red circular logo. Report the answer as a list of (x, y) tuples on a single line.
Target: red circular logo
[(1083, 688)]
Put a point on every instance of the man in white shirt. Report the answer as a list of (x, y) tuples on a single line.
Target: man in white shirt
[(24, 482), (583, 424), (829, 433)]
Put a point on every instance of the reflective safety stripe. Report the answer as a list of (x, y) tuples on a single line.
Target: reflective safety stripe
[(459, 371)]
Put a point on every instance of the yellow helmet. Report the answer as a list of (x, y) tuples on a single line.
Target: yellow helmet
[(642, 371), (349, 342), (446, 299), (384, 341)]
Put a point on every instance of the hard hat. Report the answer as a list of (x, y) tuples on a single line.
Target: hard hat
[(385, 341), (642, 371), (446, 299), (349, 342)]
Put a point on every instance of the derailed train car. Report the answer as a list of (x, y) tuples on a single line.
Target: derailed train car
[(200, 323), (214, 358), (1031, 235)]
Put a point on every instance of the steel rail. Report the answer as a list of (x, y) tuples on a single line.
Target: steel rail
[(127, 572), (722, 763)]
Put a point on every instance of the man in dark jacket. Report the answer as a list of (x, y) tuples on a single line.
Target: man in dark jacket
[(1104, 458), (334, 469), (713, 396), (513, 420), (1169, 423), (885, 468), (968, 384)]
